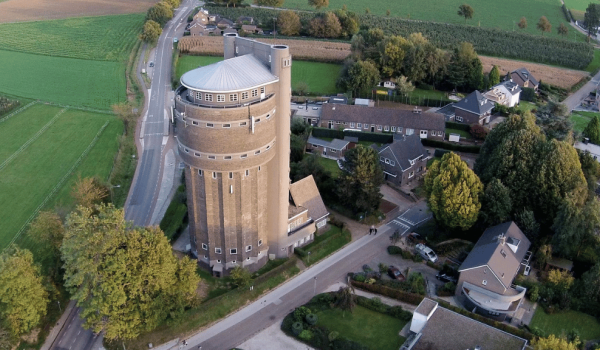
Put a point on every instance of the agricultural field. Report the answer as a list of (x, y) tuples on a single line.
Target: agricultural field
[(580, 5), (40, 10), (320, 77), (43, 151), (494, 14)]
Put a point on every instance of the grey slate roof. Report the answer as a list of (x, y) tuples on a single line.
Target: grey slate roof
[(402, 151), (383, 116), (511, 86), (235, 74), (336, 144), (305, 193), (351, 139), (475, 103), (525, 75), (489, 251)]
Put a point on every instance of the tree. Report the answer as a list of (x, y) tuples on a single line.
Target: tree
[(478, 131), (561, 282), (554, 121), (591, 19), (299, 128), (591, 171), (395, 237), (404, 86), (325, 26), (311, 165), (349, 21), (23, 299), (288, 23), (125, 279), (465, 70), (522, 23), (592, 131), (269, 3), (88, 192), (562, 30), (527, 223), (160, 13), (297, 147), (393, 51), (388, 12), (543, 255), (465, 11), (241, 277), (302, 88), (590, 281), (358, 185), (359, 77), (494, 76), (47, 228), (124, 111), (576, 227), (345, 299), (453, 192), (554, 343), (318, 4), (496, 203), (544, 25), (151, 32)]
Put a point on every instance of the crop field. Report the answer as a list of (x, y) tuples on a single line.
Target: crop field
[(94, 84), (39, 10), (44, 148), (320, 77), (580, 5), (106, 38), (494, 14)]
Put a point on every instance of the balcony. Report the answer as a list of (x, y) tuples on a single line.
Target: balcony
[(491, 301), (180, 90)]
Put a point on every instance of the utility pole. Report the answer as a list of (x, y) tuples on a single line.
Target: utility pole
[(274, 23)]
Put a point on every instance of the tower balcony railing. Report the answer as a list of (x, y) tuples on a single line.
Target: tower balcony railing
[(185, 99)]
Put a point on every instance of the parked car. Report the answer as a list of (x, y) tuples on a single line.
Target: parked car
[(395, 273), (446, 278), (425, 252), (151, 64), (414, 238)]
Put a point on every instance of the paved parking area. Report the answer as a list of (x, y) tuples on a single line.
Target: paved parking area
[(413, 216)]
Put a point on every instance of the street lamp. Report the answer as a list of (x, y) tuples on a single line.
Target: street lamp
[(111, 192), (308, 259)]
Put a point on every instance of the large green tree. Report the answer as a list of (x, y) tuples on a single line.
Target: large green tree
[(23, 298), (358, 185), (125, 279), (453, 192), (359, 77), (465, 11), (465, 71), (592, 131), (576, 227), (350, 22), (497, 207), (591, 171), (393, 51), (311, 165), (326, 25), (553, 342), (288, 23), (160, 13), (494, 75), (151, 31), (592, 19)]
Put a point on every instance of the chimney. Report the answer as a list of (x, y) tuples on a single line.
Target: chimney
[(502, 239)]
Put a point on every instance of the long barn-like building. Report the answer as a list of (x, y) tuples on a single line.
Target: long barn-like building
[(233, 128)]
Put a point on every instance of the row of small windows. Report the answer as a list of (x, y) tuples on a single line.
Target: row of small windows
[(212, 157), (387, 161), (214, 174), (388, 128), (231, 250), (228, 125), (232, 97)]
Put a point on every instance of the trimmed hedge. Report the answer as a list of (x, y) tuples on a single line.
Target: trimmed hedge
[(410, 298), (502, 326), (362, 136), (439, 153), (450, 146), (567, 14), (376, 305), (458, 126), (394, 250)]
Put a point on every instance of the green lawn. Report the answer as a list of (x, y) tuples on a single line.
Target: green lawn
[(581, 119), (325, 244), (320, 77), (38, 151), (463, 133), (372, 329), (106, 38), (594, 66), (526, 106), (94, 84), (331, 166), (495, 14), (580, 5), (563, 322)]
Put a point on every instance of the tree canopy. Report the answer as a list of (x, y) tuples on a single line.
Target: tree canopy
[(465, 11), (160, 13), (269, 3), (318, 4), (465, 71), (494, 75), (288, 23), (592, 130), (23, 298), (359, 77), (125, 279), (497, 207), (553, 342), (544, 25), (326, 25), (453, 192), (592, 19), (522, 23), (150, 32), (358, 185)]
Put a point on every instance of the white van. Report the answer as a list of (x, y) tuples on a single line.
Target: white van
[(425, 252)]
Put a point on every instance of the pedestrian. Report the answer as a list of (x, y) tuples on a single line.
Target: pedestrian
[(371, 230), (375, 230)]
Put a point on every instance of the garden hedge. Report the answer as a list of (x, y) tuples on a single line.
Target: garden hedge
[(410, 298), (458, 126), (450, 146)]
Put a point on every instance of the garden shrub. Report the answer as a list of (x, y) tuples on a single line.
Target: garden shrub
[(383, 268), (359, 277), (439, 153), (367, 268), (374, 304), (297, 328), (417, 258), (393, 250), (534, 293), (450, 146), (458, 126), (528, 94), (407, 255), (399, 313), (305, 335), (311, 319), (410, 298), (300, 313), (434, 265)]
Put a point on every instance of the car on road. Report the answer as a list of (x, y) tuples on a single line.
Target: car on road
[(151, 64), (175, 40), (445, 277), (395, 273), (425, 252), (315, 108)]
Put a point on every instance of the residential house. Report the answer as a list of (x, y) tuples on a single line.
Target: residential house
[(487, 274), (198, 29), (506, 93), (473, 109), (404, 160), (523, 78), (306, 212), (201, 17), (434, 327), (334, 149), (245, 20), (397, 121), (251, 29), (229, 31), (224, 23)]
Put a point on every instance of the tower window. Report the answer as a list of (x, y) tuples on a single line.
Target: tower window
[(233, 251), (248, 248), (220, 98), (254, 93), (227, 125), (227, 157), (244, 156), (197, 154), (198, 96), (245, 95), (212, 157), (268, 116), (243, 123), (208, 97), (230, 175), (210, 125), (247, 172), (204, 246), (218, 250), (262, 90), (259, 168), (194, 122), (257, 152), (214, 175), (259, 242), (233, 97), (200, 172)]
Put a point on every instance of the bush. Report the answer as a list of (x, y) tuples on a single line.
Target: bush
[(450, 146), (447, 289), (359, 277), (393, 250), (410, 298), (479, 132), (300, 313), (297, 328), (374, 304), (528, 94), (567, 14), (534, 293), (458, 126), (305, 335), (311, 319), (383, 268), (434, 265), (407, 255), (417, 258), (366, 268), (399, 313), (439, 153)]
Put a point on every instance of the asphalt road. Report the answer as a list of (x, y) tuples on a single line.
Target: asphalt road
[(142, 199)]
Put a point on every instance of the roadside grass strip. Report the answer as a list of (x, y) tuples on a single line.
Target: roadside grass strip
[(18, 111), (59, 184), (31, 140)]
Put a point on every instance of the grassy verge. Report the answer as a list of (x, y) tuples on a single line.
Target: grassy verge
[(367, 327), (209, 312), (175, 218), (323, 245), (587, 326)]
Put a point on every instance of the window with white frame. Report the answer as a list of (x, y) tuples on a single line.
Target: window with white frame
[(248, 248), (233, 251), (410, 131), (423, 132), (366, 126), (212, 157), (257, 152), (382, 159), (392, 163), (214, 175), (254, 93), (262, 89), (204, 246), (386, 128), (233, 97), (227, 125), (194, 122), (393, 129), (400, 129), (359, 125), (197, 154), (411, 174), (338, 122), (440, 133), (210, 125), (379, 127), (198, 95), (200, 172), (387, 161), (259, 242), (245, 95), (244, 156), (218, 250), (458, 119), (484, 282), (227, 157), (351, 125), (208, 97), (220, 98)]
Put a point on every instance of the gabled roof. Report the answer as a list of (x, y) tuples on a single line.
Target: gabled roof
[(525, 75), (475, 103), (383, 116), (305, 193), (501, 255), (403, 150), (235, 74), (335, 144)]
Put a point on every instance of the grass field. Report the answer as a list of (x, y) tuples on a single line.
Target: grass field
[(495, 14), (44, 148), (369, 328), (580, 5), (325, 244), (463, 133), (106, 38), (594, 66), (320, 77), (526, 106), (581, 119), (563, 322)]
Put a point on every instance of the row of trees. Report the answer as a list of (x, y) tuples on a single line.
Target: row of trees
[(156, 18), (333, 24)]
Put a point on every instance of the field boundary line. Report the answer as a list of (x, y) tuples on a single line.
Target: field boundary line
[(18, 111), (103, 111), (32, 139), (59, 184)]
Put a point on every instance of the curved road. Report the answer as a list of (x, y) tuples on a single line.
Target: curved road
[(142, 195)]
